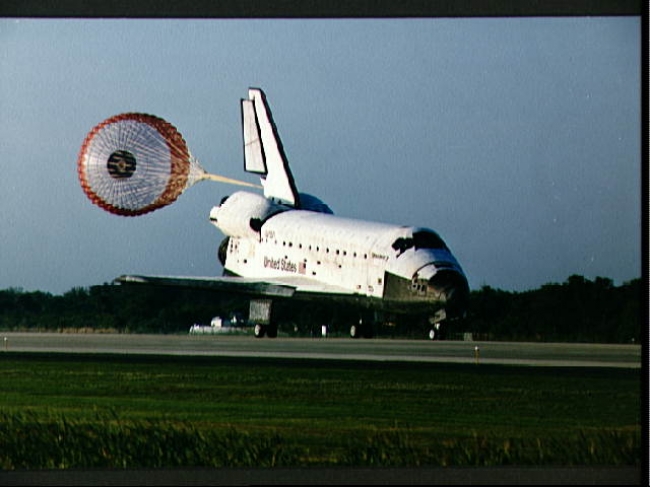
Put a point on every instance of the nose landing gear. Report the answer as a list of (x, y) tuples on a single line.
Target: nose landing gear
[(436, 332), (362, 329)]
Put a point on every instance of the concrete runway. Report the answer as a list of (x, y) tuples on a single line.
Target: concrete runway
[(530, 354)]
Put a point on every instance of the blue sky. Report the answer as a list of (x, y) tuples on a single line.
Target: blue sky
[(517, 139)]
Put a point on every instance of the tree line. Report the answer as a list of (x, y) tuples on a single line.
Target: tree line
[(578, 310)]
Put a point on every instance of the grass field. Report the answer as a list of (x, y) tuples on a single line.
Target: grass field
[(69, 411)]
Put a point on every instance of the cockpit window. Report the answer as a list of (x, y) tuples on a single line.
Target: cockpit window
[(402, 244), (419, 240), (428, 240)]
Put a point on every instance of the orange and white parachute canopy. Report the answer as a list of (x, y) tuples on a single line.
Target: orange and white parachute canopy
[(134, 163)]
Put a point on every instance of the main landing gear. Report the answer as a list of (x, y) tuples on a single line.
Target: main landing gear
[(270, 331), (260, 314)]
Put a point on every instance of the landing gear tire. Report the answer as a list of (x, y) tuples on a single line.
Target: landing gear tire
[(270, 331), (361, 330), (435, 333), (259, 331), (355, 331)]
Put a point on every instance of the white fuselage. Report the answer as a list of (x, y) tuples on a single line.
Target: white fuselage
[(358, 257)]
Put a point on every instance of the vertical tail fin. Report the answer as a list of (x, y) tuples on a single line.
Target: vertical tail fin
[(263, 151)]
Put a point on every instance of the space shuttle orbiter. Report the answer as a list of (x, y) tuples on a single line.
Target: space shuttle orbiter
[(283, 245)]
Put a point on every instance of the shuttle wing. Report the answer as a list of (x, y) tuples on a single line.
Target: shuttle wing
[(288, 287), (263, 151)]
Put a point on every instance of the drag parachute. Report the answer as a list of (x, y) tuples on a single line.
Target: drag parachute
[(134, 163)]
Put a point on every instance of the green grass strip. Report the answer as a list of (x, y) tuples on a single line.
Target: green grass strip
[(77, 411)]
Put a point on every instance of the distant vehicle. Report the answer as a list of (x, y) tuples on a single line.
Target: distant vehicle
[(220, 325), (288, 245)]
